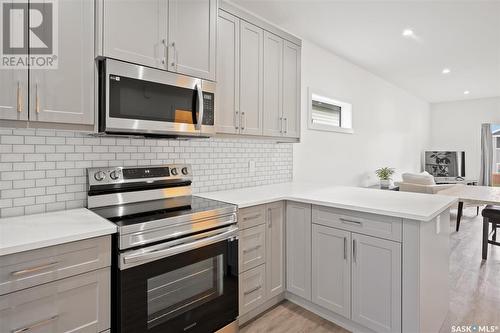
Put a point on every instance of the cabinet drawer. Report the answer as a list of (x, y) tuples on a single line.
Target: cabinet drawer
[(252, 288), (364, 223), (252, 247), (79, 303), (27, 269), (252, 216)]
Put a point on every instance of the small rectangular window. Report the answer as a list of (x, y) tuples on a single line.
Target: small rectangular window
[(327, 114)]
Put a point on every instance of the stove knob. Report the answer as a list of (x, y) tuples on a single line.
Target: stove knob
[(114, 174), (173, 171), (99, 175), (184, 171)]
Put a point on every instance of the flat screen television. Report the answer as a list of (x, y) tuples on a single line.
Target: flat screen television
[(445, 164)]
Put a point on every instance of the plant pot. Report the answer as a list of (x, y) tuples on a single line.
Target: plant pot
[(385, 183)]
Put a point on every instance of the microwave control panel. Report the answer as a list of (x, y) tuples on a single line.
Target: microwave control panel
[(208, 108)]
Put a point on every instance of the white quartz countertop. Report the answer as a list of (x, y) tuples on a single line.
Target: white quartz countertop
[(29, 232), (416, 206)]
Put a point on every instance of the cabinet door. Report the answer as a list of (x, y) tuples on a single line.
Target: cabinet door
[(192, 37), (66, 94), (133, 31), (251, 78), (76, 304), (252, 247), (228, 74), (331, 269), (273, 80), (298, 249), (376, 283), (275, 247), (291, 90), (14, 94)]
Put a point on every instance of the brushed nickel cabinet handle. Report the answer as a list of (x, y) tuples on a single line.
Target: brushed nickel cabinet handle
[(281, 124), (248, 292), (270, 219), (34, 269), (19, 98), (286, 125), (354, 251), (37, 99), (251, 217), (35, 325), (344, 220), (252, 249), (243, 121), (235, 120), (345, 248)]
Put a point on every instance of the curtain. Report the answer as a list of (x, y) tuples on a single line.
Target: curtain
[(486, 155)]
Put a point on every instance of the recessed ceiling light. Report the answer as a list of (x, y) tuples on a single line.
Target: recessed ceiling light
[(466, 92), (446, 71), (408, 33)]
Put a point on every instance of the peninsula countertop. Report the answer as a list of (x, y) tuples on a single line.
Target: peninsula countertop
[(407, 205), (30, 232)]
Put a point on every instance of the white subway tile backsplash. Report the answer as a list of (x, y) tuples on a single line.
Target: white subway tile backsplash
[(45, 170)]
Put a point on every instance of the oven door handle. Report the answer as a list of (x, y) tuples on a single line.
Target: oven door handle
[(146, 255), (200, 110)]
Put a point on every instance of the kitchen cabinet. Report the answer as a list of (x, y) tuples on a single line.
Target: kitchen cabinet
[(273, 84), (331, 269), (376, 283), (174, 35), (252, 249), (291, 90), (228, 74), (135, 31), (252, 290), (66, 94), (192, 37), (251, 78), (78, 303), (275, 248), (14, 94), (298, 249)]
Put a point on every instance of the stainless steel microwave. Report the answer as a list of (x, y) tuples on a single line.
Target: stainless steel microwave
[(139, 100)]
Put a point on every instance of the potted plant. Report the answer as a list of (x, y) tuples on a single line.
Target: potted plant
[(385, 176)]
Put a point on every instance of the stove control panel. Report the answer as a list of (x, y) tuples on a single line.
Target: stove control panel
[(116, 175)]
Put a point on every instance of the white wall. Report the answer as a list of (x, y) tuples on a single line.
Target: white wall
[(457, 126), (391, 127)]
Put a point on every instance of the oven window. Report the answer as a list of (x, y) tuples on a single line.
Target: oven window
[(173, 293), (143, 100)]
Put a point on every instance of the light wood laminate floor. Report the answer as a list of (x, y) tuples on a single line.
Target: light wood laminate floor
[(474, 289)]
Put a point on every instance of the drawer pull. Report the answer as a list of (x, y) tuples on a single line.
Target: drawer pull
[(252, 249), (251, 217), (344, 220), (248, 292), (34, 269), (36, 325)]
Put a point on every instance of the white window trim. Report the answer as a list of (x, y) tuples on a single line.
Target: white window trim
[(326, 128)]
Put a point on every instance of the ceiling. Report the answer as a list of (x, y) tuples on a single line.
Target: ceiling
[(463, 36)]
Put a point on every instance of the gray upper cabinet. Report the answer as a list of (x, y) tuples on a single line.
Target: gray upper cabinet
[(291, 89), (135, 31), (192, 35), (228, 74), (273, 80), (66, 94), (251, 78), (14, 94)]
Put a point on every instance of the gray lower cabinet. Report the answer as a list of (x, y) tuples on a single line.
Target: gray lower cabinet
[(252, 247), (331, 269), (14, 94), (298, 249), (275, 248), (79, 303), (376, 283)]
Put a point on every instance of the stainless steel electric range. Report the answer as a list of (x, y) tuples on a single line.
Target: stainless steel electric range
[(175, 255)]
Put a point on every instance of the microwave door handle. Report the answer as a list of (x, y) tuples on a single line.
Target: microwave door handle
[(200, 107)]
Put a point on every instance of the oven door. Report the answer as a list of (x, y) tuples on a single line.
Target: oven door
[(194, 288), (142, 100)]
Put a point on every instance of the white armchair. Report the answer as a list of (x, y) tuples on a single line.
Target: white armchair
[(421, 183)]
